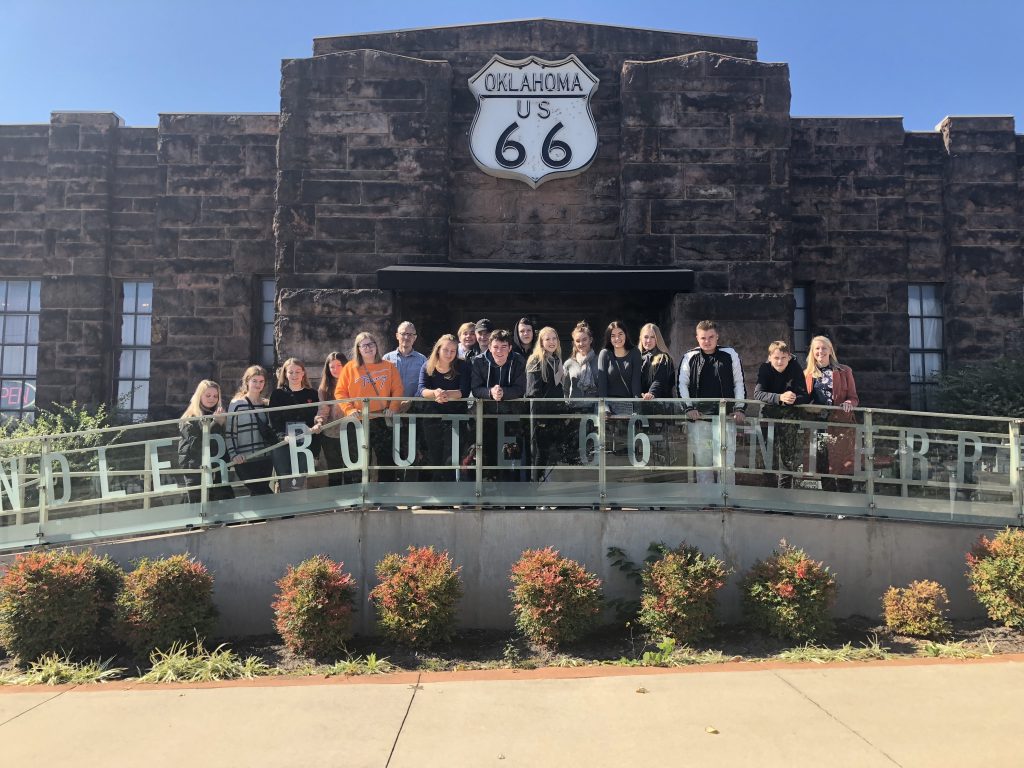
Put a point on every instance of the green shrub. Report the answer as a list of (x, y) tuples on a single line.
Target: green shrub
[(918, 610), (789, 595), (164, 602), (994, 388), (313, 609), (65, 425), (416, 596), (554, 599), (995, 570), (678, 599), (57, 602)]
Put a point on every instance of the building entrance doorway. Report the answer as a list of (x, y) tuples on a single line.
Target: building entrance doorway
[(438, 313)]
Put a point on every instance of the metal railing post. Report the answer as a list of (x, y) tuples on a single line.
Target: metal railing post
[(478, 452), (364, 455), (44, 486), (602, 458), (147, 478), (869, 459), (1016, 469), (206, 471), (19, 516), (723, 451)]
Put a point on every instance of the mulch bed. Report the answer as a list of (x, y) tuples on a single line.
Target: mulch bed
[(482, 649)]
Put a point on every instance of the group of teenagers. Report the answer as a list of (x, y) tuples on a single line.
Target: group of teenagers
[(521, 372)]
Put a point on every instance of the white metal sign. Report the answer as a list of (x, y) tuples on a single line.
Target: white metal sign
[(533, 120)]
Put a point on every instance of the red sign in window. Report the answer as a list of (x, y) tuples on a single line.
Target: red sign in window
[(17, 395)]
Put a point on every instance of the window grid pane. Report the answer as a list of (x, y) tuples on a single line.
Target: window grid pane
[(268, 292), (133, 360), (924, 310), (19, 339), (17, 296), (801, 319)]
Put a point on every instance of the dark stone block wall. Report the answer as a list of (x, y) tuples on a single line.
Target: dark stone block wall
[(573, 220), (76, 296), (705, 169), (362, 184), (983, 213), (850, 244), (700, 166), (216, 176), (188, 205)]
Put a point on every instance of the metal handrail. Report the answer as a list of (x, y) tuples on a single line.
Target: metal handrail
[(995, 492)]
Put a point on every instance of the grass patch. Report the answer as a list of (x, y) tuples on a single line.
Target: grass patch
[(53, 669), (564, 660), (432, 664), (668, 655), (871, 650), (958, 650), (191, 663), (360, 665)]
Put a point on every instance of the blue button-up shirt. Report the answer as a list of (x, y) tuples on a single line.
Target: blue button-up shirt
[(408, 368)]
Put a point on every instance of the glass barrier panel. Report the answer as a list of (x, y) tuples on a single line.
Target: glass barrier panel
[(173, 475)]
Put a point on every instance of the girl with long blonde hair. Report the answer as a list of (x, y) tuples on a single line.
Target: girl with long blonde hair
[(545, 375), (657, 370), (205, 403), (829, 382)]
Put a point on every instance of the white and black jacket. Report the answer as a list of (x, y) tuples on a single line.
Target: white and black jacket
[(718, 375)]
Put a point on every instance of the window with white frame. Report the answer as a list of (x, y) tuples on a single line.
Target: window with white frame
[(924, 306), (136, 341), (19, 346), (268, 290), (801, 319)]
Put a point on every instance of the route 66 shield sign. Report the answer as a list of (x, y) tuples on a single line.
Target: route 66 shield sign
[(533, 120)]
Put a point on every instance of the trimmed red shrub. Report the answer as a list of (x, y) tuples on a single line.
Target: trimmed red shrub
[(554, 599), (313, 609), (918, 610), (679, 589), (57, 602), (165, 601), (416, 596), (788, 595), (995, 570)]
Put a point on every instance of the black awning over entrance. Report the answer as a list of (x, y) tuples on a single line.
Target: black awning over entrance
[(533, 279)]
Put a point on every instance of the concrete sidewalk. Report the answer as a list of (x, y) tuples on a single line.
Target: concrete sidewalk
[(878, 714)]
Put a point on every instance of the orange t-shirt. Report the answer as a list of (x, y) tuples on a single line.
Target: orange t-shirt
[(369, 380)]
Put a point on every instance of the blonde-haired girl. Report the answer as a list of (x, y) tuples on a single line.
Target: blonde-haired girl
[(205, 402), (545, 375)]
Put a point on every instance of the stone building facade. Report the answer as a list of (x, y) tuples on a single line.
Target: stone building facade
[(359, 205)]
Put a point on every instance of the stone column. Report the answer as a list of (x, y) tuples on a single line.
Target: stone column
[(705, 175), (705, 169), (75, 350), (214, 242), (982, 204), (363, 183)]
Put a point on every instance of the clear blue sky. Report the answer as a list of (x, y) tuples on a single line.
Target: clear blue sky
[(922, 60)]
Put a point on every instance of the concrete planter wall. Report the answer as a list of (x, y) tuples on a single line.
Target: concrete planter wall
[(867, 555)]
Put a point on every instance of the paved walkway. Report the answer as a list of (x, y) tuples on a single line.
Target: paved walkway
[(864, 715)]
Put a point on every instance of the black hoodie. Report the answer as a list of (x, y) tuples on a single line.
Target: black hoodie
[(511, 377)]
